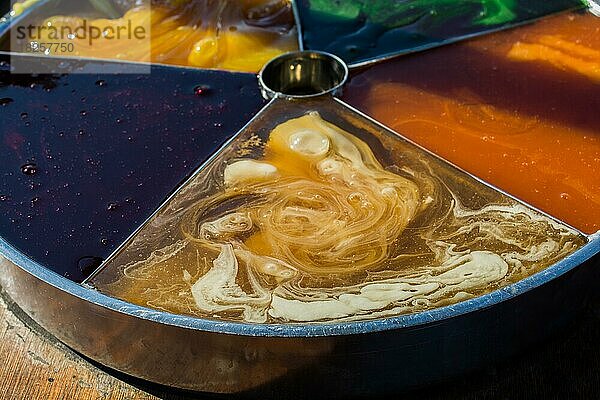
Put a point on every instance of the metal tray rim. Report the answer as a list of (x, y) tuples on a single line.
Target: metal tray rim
[(565, 265)]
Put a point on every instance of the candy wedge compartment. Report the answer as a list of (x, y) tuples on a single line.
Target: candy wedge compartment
[(364, 32), (218, 34), (314, 213), (514, 108), (88, 157)]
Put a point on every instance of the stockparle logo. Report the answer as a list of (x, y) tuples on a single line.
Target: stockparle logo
[(71, 32)]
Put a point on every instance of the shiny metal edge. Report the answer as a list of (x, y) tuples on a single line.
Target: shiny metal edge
[(296, 12), (594, 7), (7, 20), (585, 253)]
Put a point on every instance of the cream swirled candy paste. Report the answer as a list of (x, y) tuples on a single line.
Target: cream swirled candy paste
[(319, 224)]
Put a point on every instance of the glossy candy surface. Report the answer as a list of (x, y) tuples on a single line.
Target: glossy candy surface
[(86, 158), (361, 30), (517, 109), (222, 34)]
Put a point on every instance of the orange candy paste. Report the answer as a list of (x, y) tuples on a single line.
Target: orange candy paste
[(519, 109)]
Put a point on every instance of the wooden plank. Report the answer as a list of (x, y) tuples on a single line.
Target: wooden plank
[(34, 365)]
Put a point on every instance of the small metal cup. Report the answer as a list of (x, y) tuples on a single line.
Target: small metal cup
[(303, 74)]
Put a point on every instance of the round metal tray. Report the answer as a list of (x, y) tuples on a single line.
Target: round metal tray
[(328, 359), (358, 357)]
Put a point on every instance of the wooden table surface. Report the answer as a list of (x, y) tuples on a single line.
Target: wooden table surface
[(34, 365)]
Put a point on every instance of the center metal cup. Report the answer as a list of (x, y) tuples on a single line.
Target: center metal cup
[(302, 74)]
